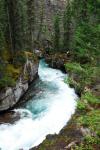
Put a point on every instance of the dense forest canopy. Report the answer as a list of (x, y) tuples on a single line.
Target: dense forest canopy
[(75, 29), (80, 22)]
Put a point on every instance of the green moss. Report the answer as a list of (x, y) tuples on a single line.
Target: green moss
[(81, 105), (6, 82), (5, 55), (12, 71)]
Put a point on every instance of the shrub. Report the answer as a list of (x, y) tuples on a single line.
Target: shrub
[(91, 140), (81, 105), (90, 98), (91, 120), (74, 67)]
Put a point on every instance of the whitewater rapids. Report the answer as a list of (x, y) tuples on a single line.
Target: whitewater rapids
[(46, 113)]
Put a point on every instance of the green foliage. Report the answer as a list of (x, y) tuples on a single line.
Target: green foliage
[(6, 81), (82, 31), (90, 98), (83, 147), (81, 105), (86, 36), (2, 24), (67, 19), (81, 76), (69, 81), (91, 120), (91, 140), (87, 101), (74, 67), (8, 75)]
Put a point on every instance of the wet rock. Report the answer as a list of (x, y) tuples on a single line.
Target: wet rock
[(9, 117), (49, 8), (57, 60)]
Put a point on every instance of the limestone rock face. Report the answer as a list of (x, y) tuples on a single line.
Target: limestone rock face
[(45, 11), (11, 95)]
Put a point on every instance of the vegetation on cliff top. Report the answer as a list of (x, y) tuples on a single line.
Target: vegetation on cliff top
[(16, 28)]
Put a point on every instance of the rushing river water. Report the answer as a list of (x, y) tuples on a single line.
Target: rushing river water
[(46, 113)]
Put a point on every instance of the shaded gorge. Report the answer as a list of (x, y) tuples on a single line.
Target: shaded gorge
[(47, 112)]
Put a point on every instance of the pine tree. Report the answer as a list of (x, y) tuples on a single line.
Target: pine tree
[(57, 33), (41, 20), (67, 27), (31, 20), (17, 19), (2, 24), (87, 29)]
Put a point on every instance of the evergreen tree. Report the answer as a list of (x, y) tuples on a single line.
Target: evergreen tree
[(86, 30), (56, 33), (17, 19), (41, 20), (31, 20), (2, 25), (67, 27)]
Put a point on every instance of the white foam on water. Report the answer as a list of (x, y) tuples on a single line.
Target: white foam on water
[(29, 132)]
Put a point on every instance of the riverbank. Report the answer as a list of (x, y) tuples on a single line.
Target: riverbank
[(38, 115), (82, 131)]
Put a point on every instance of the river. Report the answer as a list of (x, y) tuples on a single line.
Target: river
[(47, 112)]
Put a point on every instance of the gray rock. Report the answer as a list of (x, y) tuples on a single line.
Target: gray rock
[(11, 95), (49, 8)]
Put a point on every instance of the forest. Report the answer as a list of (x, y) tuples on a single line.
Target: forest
[(67, 35)]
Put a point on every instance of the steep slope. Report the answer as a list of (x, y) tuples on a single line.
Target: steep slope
[(45, 12)]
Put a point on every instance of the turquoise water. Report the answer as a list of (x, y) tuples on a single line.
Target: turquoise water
[(45, 113)]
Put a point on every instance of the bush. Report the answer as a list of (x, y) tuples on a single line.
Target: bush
[(91, 120), (81, 105), (90, 98), (81, 76), (74, 67), (91, 140)]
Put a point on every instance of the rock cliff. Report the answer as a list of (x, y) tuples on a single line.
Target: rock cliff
[(45, 11), (11, 95)]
